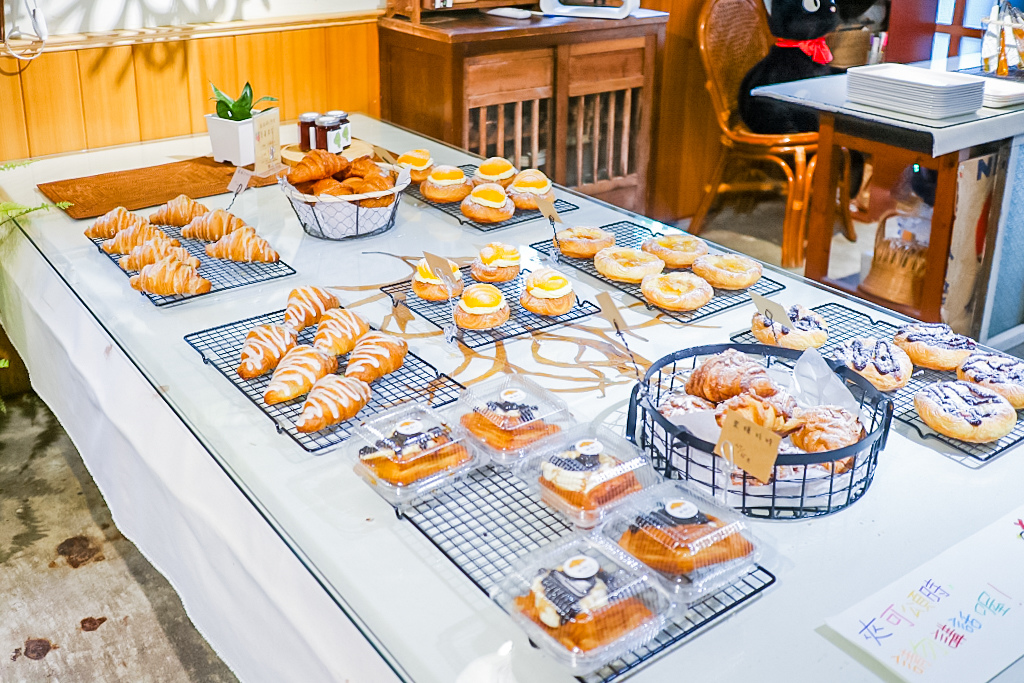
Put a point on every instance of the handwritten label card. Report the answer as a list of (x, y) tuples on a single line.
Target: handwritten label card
[(771, 310), (956, 618), (267, 125), (239, 181), (610, 312), (547, 209), (747, 445)]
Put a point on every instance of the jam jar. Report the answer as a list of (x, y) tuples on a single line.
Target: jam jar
[(346, 127), (328, 134), (307, 130)]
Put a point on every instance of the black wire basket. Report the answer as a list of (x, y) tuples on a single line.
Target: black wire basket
[(803, 485)]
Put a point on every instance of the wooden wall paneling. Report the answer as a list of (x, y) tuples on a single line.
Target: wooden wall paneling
[(109, 98), (13, 135), (210, 60), (258, 60), (53, 104), (161, 81), (304, 56), (353, 82)]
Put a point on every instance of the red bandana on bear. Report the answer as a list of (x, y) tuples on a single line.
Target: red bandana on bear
[(816, 49)]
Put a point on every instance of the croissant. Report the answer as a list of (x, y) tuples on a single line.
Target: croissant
[(729, 374), (376, 354), (376, 183), (353, 184), (330, 186), (211, 226), (332, 399), (264, 348), (243, 245), (295, 375), (129, 238), (317, 164), (306, 305), (363, 166), (152, 251), (179, 211), (112, 222), (338, 331), (169, 276)]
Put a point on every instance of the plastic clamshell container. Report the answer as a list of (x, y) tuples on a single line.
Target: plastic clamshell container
[(508, 415), (584, 601), (585, 472), (409, 452), (695, 545)]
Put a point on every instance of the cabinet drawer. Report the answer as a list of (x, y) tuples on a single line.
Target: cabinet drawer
[(509, 77), (606, 65)]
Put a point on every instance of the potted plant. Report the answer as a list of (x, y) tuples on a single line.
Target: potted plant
[(231, 131)]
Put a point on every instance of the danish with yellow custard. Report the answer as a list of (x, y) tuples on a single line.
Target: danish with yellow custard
[(582, 241), (446, 185), (623, 264), (727, 271), (426, 285), (497, 262), (676, 291), (419, 163), (482, 307), (529, 185), (676, 250), (547, 292), (495, 170), (488, 203)]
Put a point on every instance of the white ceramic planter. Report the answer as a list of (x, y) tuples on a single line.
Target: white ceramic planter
[(232, 141)]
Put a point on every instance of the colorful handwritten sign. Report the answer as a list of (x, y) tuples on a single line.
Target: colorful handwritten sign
[(957, 618)]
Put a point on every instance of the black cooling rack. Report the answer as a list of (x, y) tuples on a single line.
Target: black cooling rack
[(484, 522), (845, 324), (632, 235), (453, 210), (416, 379), (221, 273), (521, 322)]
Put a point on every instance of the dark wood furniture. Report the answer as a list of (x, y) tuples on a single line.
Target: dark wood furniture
[(572, 97)]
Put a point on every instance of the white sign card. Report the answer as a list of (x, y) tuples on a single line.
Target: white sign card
[(958, 618)]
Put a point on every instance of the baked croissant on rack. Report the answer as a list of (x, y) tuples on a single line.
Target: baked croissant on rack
[(338, 331), (316, 165), (264, 348), (169, 276), (152, 251), (180, 211), (306, 305), (211, 226), (295, 375), (243, 245), (376, 354), (112, 222), (126, 240), (332, 399)]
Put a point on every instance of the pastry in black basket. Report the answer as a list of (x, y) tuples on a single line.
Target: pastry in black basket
[(999, 372), (826, 428), (727, 374), (965, 411), (778, 412), (806, 330), (879, 361), (934, 345), (681, 403)]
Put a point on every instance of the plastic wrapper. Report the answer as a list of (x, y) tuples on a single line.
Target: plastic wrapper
[(584, 602), (586, 472), (410, 452), (508, 415)]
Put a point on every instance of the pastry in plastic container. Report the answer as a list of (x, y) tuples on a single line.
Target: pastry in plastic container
[(585, 472), (584, 602), (507, 415), (410, 452), (695, 545)]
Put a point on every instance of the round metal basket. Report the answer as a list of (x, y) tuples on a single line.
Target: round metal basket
[(803, 485), (342, 218)]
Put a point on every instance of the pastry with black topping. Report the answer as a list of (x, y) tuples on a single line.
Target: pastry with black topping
[(965, 411), (587, 477), (934, 345), (408, 453), (806, 329), (1001, 373), (879, 361)]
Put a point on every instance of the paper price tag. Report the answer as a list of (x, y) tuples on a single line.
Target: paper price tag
[(267, 129), (750, 447), (387, 156), (547, 208), (610, 312), (771, 310), (239, 180), (440, 268)]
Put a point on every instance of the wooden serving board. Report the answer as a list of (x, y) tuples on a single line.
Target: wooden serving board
[(292, 154)]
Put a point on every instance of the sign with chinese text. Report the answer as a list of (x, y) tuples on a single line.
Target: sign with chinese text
[(752, 448), (268, 141)]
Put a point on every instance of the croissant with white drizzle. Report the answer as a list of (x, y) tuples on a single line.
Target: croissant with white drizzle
[(129, 238), (152, 251), (376, 354), (243, 245), (113, 222), (180, 211), (169, 276), (264, 348), (212, 226), (338, 331), (332, 399), (306, 305), (295, 375)]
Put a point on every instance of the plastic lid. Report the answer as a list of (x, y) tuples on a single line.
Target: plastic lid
[(309, 116), (584, 602), (327, 120), (695, 545), (341, 114), (508, 415), (409, 451), (585, 472)]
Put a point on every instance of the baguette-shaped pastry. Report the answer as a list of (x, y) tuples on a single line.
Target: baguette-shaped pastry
[(180, 211), (332, 399), (169, 276), (126, 240), (316, 165), (152, 251), (211, 226), (306, 305), (112, 222), (243, 245), (376, 354), (264, 348), (338, 331), (297, 372)]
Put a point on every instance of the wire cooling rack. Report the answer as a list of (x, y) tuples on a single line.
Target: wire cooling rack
[(521, 322), (632, 235), (221, 347), (484, 522), (221, 273), (453, 210), (845, 324)]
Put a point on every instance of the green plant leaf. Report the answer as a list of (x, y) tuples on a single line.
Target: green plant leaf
[(14, 164), (240, 113), (224, 110), (266, 98), (220, 96), (245, 99)]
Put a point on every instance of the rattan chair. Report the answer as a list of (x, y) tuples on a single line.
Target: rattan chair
[(733, 36)]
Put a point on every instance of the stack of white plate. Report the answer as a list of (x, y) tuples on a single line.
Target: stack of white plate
[(1000, 93), (916, 91)]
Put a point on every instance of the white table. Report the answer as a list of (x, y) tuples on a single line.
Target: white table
[(290, 565)]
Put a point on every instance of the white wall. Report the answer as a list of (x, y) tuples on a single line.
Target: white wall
[(78, 16)]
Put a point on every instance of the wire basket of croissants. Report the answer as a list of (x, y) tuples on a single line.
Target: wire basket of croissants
[(338, 199), (827, 453)]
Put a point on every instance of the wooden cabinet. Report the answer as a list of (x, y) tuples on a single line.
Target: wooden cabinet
[(572, 97)]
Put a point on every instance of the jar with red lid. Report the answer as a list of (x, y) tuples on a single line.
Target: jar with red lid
[(307, 130)]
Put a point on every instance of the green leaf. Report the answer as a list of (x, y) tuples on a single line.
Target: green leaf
[(14, 164), (220, 96), (264, 99), (238, 113), (224, 110), (4, 363)]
